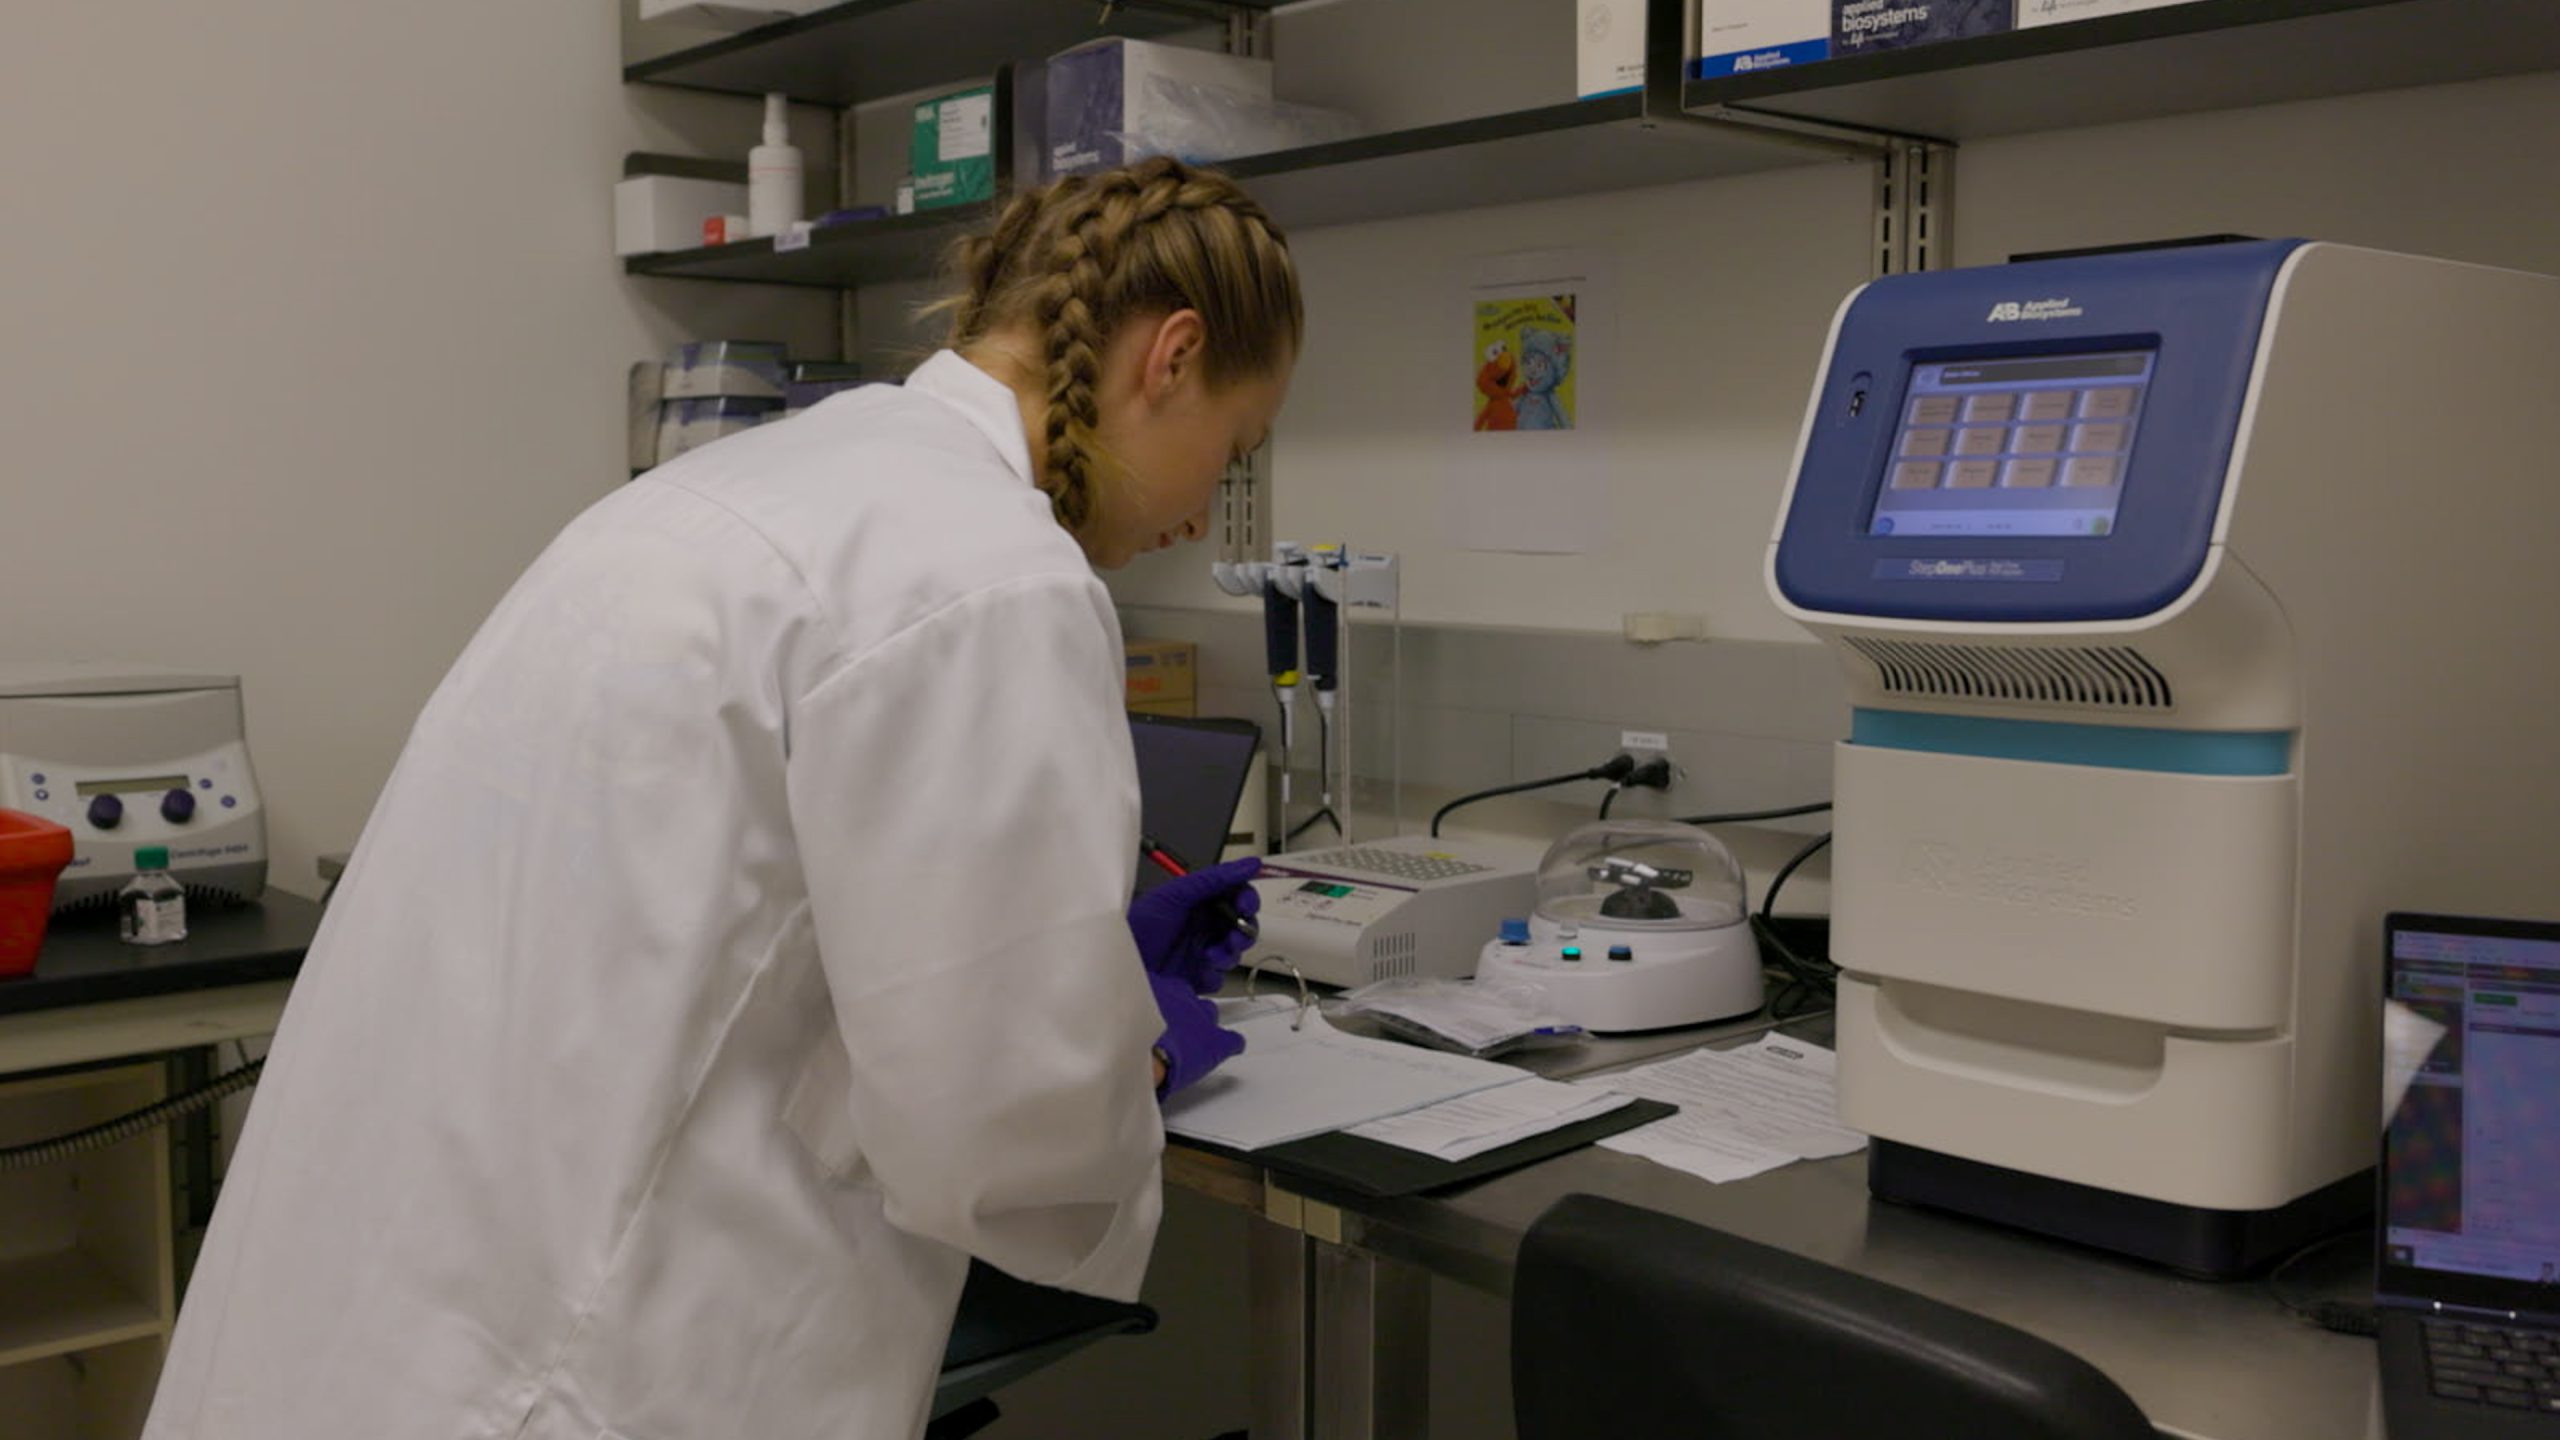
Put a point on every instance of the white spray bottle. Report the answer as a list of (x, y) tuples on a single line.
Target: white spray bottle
[(774, 186)]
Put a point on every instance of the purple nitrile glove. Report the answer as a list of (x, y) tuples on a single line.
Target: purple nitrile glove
[(1193, 1043), (1179, 932)]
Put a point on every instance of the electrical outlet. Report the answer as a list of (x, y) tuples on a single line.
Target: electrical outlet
[(1644, 743)]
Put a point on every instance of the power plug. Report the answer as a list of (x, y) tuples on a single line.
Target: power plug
[(1653, 773)]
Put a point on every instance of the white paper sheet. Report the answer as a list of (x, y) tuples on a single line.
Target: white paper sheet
[(1742, 1111), (2408, 1038), (1289, 1084), (1472, 1124)]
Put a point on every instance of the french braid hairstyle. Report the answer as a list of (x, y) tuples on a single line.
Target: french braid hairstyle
[(1076, 259)]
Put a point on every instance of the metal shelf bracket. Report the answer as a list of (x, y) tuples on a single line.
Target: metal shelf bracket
[(1915, 208)]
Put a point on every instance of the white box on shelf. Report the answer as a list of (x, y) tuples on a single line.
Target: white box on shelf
[(1736, 37), (2032, 13), (653, 213), (1105, 92), (730, 14), (1608, 46)]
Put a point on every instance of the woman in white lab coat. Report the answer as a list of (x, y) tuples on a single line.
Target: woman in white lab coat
[(738, 946)]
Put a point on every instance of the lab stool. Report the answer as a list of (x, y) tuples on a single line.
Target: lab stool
[(1630, 1322)]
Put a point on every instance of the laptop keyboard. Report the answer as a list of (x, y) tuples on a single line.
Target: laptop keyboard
[(2493, 1365)]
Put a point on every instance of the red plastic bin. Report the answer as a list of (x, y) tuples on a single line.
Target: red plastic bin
[(32, 853)]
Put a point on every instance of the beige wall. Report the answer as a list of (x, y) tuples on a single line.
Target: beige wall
[(311, 335)]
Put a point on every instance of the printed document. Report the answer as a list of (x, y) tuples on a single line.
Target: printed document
[(1299, 1076), (1742, 1111)]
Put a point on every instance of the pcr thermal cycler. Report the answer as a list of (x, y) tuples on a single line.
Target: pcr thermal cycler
[(2198, 606)]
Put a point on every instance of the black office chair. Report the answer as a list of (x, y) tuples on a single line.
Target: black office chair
[(1628, 1322), (1008, 1328)]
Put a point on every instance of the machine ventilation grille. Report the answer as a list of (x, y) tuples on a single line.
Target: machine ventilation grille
[(2112, 677), (1391, 955)]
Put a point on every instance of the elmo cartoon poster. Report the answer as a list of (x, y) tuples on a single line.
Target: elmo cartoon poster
[(1523, 363)]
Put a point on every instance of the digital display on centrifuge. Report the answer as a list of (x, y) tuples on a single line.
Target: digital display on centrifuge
[(2028, 445), (137, 786)]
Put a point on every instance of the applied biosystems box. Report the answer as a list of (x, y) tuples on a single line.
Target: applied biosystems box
[(1858, 26), (1114, 100), (1736, 37)]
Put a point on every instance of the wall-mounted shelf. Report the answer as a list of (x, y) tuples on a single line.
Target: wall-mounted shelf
[(2204, 55), (2201, 55), (1582, 148), (867, 49), (866, 252), (1578, 149)]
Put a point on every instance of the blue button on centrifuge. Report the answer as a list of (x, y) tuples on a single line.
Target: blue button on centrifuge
[(1515, 932)]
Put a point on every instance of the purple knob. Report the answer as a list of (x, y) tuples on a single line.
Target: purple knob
[(178, 806), (106, 812)]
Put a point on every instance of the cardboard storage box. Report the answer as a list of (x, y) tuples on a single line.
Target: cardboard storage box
[(1161, 673)]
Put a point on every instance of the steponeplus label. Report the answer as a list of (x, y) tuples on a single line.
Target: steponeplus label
[(2035, 882)]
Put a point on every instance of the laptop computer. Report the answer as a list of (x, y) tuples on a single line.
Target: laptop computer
[(1191, 773), (2467, 1277)]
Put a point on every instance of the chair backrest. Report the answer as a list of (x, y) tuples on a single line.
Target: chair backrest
[(1627, 1322)]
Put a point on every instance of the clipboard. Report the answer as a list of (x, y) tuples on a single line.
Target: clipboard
[(1374, 1170)]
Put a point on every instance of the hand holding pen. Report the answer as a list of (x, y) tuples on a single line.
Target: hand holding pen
[(1198, 924)]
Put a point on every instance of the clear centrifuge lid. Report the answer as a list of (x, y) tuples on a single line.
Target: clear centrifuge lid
[(1644, 874)]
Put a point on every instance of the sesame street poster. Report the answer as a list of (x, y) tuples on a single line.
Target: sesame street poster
[(1523, 362)]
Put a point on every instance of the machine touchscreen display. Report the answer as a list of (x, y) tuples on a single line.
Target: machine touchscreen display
[(2027, 445)]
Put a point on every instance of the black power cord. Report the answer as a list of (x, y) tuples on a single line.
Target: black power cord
[(1616, 771), (1653, 774), (1745, 817), (2347, 1317), (1809, 980)]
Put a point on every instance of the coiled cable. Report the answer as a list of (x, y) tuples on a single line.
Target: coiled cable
[(126, 1127)]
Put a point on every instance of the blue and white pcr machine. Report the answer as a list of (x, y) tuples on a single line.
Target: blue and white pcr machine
[(2198, 607)]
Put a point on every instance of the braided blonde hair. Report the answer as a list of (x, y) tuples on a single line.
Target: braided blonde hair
[(1077, 259)]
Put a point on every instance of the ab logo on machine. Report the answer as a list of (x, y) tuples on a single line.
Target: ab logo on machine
[(2061, 309)]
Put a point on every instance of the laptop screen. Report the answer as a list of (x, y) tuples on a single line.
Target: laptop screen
[(2471, 1161), (1190, 775)]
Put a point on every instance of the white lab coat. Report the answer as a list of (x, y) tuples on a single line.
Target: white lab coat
[(737, 948)]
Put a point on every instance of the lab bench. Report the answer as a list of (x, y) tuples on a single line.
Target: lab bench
[(1339, 1284), (1340, 1308), (88, 1253)]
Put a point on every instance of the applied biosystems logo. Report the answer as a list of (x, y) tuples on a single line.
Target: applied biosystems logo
[(2009, 310)]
